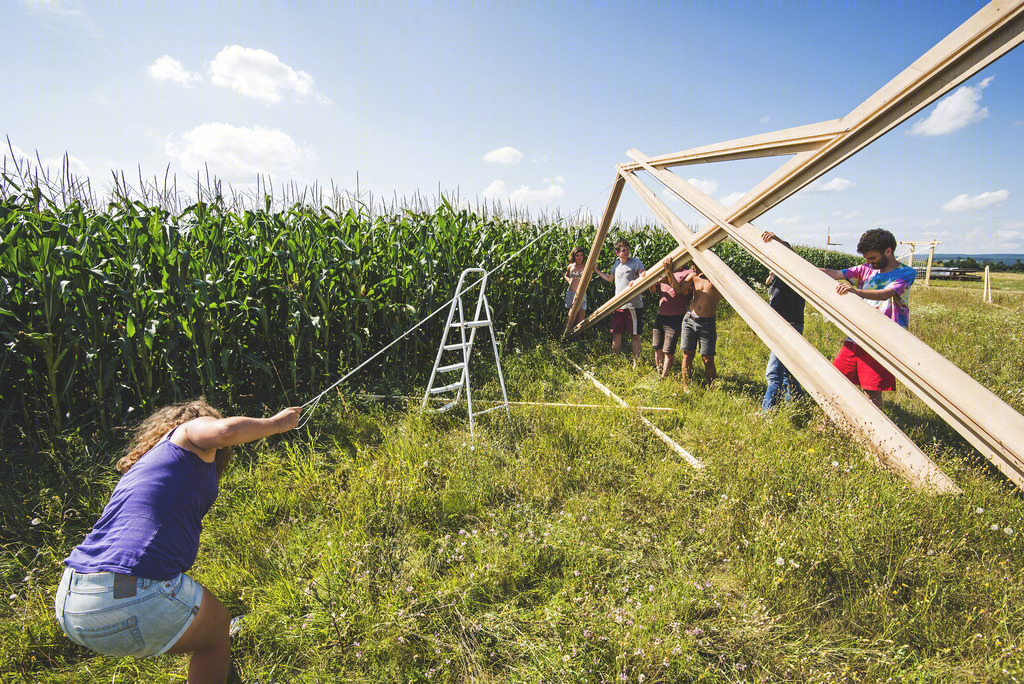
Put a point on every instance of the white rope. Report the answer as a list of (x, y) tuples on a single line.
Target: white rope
[(382, 397), (315, 401)]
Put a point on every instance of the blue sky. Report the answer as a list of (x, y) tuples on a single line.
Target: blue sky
[(529, 104)]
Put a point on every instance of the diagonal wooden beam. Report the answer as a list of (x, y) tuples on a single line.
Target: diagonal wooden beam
[(987, 422), (844, 403), (784, 142), (993, 31), (595, 250)]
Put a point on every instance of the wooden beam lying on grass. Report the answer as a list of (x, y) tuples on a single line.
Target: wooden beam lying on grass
[(687, 456)]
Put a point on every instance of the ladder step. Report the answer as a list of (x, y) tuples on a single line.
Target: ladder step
[(446, 388), (446, 407), (453, 347), (471, 324), (454, 366), (493, 408)]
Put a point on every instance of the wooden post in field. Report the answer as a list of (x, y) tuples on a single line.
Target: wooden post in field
[(913, 246), (988, 423), (987, 294), (931, 256)]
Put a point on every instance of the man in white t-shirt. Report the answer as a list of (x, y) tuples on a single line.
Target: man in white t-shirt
[(629, 319)]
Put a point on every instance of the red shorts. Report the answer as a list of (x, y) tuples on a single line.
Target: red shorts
[(862, 370), (627, 321)]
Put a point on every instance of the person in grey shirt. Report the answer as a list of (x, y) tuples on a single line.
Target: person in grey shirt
[(626, 269)]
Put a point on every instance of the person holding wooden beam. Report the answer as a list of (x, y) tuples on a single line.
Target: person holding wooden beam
[(675, 293), (699, 325), (788, 304), (885, 283), (626, 269), (573, 275)]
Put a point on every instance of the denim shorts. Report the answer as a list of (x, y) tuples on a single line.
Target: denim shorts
[(570, 296), (703, 330), (145, 624)]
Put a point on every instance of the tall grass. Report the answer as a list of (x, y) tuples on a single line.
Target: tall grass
[(570, 545)]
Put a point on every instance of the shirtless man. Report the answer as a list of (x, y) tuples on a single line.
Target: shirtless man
[(699, 325)]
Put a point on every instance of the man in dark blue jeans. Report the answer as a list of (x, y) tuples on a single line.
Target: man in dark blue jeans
[(789, 305)]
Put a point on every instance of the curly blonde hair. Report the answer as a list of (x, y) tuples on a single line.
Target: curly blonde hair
[(152, 429)]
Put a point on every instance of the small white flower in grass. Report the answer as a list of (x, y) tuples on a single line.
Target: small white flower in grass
[(780, 561), (835, 464), (1009, 531), (35, 521), (12, 597), (979, 510), (994, 528)]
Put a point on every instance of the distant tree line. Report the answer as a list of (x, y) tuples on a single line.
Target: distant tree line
[(971, 262)]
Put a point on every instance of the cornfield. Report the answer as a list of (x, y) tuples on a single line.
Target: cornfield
[(106, 314)]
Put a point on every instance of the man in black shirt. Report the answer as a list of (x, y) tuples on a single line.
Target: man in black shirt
[(789, 305)]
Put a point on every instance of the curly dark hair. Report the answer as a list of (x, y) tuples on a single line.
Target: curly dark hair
[(153, 428), (876, 240)]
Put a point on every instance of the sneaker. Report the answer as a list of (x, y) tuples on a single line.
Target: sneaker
[(235, 626)]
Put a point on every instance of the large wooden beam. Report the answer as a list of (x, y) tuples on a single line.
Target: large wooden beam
[(785, 142), (993, 31), (595, 250)]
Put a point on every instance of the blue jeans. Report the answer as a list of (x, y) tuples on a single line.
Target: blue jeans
[(781, 383), (147, 622)]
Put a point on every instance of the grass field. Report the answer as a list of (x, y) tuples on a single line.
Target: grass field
[(566, 545)]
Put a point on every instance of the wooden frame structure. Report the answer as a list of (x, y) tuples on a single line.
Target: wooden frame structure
[(988, 423), (931, 256)]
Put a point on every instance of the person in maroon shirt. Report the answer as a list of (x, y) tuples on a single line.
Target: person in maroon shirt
[(675, 291)]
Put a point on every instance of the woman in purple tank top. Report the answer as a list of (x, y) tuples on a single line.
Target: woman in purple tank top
[(125, 591)]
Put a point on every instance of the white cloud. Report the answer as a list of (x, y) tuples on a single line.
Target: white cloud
[(708, 187), (1009, 234), (784, 221), (670, 196), (504, 155), (976, 203), (852, 215), (731, 199), (167, 68), (931, 223), (954, 111), (498, 190), (837, 184), (260, 75), (765, 118), (238, 153)]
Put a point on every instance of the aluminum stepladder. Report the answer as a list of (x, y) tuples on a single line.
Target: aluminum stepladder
[(481, 319)]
